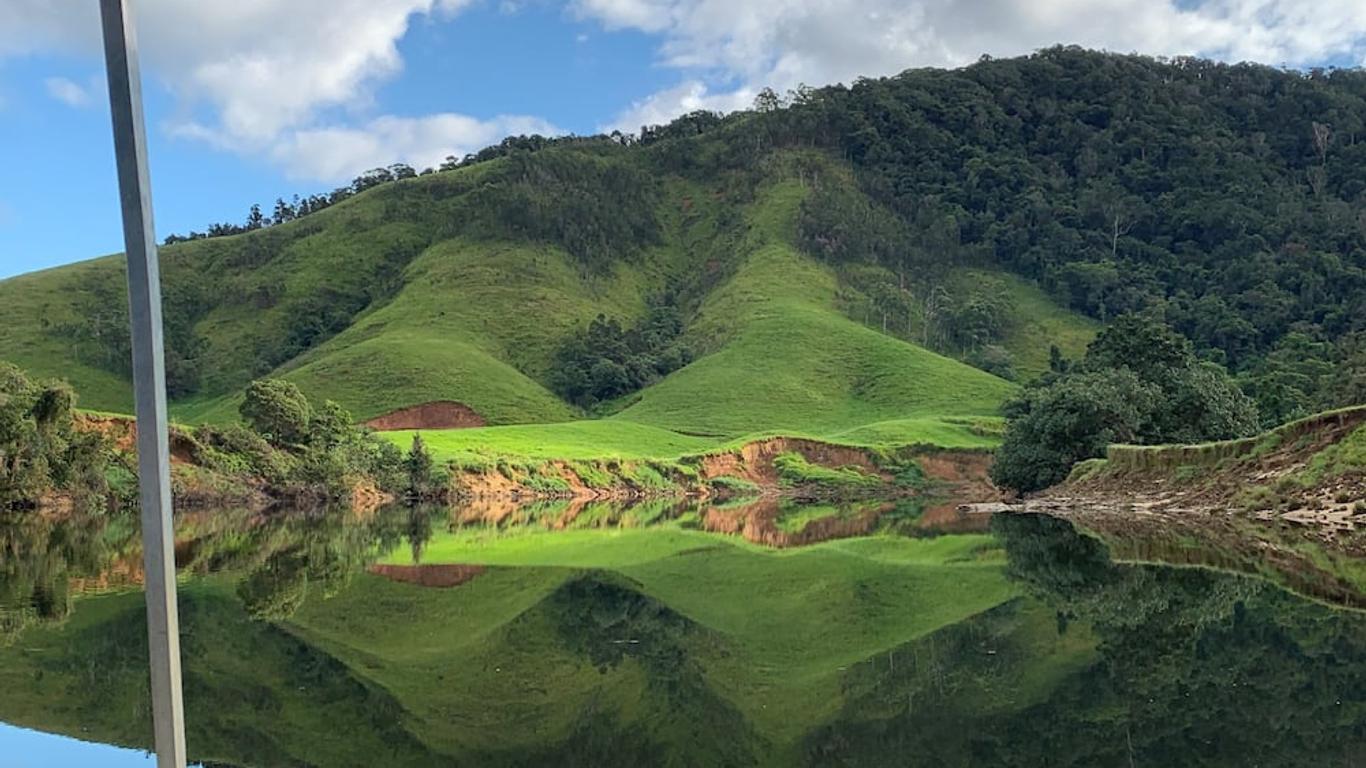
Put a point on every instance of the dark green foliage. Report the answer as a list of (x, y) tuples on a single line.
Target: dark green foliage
[(606, 361), (841, 226), (1181, 667), (41, 450), (1304, 375), (1053, 427), (1139, 383), (277, 410), (237, 450), (993, 358), (1125, 183), (300, 450), (597, 210), (419, 466)]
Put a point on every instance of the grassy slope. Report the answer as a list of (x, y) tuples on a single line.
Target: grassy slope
[(786, 359), (28, 302), (568, 440), (463, 329), (782, 357)]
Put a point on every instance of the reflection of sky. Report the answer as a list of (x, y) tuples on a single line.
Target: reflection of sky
[(21, 748)]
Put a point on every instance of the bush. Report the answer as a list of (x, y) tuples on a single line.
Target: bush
[(1138, 383), (278, 411), (41, 450)]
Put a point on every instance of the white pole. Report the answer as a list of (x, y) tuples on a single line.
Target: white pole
[(149, 381)]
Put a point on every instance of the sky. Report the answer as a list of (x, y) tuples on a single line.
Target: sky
[(250, 100), (23, 748)]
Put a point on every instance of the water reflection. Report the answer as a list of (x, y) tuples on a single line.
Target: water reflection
[(403, 637)]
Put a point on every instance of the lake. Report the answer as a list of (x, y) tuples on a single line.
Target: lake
[(666, 634)]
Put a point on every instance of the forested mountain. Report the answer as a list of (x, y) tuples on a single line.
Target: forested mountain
[(822, 246)]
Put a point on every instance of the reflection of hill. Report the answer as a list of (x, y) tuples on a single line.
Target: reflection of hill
[(1191, 667), (877, 652), (255, 695)]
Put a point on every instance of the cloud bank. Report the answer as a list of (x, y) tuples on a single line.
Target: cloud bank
[(295, 81)]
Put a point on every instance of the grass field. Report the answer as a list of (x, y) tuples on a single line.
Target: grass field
[(30, 303), (569, 440), (1035, 322)]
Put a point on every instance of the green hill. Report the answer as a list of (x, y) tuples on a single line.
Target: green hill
[(788, 361), (417, 291), (832, 263)]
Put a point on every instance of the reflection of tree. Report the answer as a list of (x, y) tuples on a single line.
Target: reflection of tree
[(299, 555), (1194, 667), (285, 556), (255, 694), (38, 556), (418, 529)]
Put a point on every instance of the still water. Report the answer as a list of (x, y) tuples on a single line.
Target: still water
[(638, 637)]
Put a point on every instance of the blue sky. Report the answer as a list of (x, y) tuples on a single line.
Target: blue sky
[(23, 748), (254, 99)]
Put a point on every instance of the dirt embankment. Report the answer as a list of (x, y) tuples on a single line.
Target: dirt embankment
[(444, 576), (758, 522), (956, 477), (122, 434), (1308, 477), (1291, 502), (440, 414), (753, 462)]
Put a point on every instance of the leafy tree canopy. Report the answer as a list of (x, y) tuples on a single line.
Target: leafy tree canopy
[(1140, 382)]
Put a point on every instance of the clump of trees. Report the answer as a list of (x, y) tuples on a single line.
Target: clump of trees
[(605, 360), (41, 450), (596, 209), (1139, 382), (300, 449)]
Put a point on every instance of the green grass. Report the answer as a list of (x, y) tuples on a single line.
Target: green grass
[(1348, 454), (29, 304), (979, 432), (576, 440), (794, 469), (786, 359), (564, 549)]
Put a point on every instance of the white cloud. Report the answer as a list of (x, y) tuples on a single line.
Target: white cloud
[(67, 92), (265, 69), (686, 97), (343, 152), (280, 80), (786, 42)]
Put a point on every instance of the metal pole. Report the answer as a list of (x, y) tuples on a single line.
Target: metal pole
[(149, 381)]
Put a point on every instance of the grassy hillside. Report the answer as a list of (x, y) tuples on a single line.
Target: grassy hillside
[(432, 289), (805, 250), (30, 304), (786, 359)]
